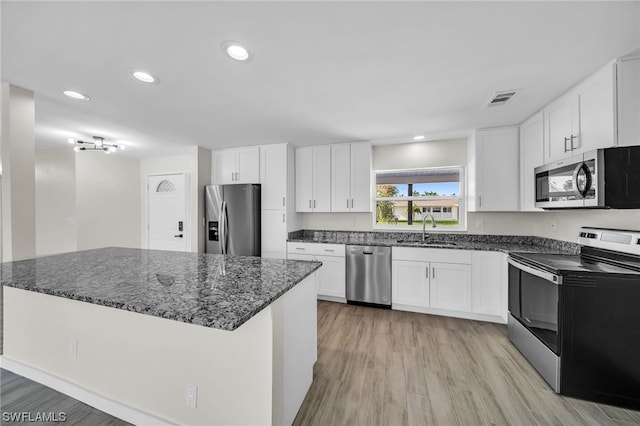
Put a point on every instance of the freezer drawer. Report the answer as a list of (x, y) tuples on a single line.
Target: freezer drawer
[(369, 275)]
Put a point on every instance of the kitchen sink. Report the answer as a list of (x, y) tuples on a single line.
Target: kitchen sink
[(428, 243)]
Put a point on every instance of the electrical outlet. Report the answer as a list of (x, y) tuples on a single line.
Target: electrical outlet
[(352, 222), (480, 223), (191, 395), (73, 347), (553, 226)]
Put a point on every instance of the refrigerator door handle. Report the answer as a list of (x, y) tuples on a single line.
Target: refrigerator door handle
[(223, 226)]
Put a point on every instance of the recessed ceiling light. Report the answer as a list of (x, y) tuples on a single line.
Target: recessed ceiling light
[(235, 50), (76, 95), (145, 77), (418, 138)]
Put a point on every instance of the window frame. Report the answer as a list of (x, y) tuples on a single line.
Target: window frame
[(461, 198)]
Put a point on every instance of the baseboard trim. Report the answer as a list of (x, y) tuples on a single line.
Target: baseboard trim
[(106, 405), (447, 313)]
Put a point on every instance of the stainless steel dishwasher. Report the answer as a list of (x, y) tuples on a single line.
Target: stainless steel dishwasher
[(369, 275)]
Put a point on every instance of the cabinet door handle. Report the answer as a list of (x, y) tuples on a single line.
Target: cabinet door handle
[(314, 204), (347, 203), (329, 250), (300, 248), (479, 200), (572, 138), (433, 272), (352, 203), (426, 270), (309, 203), (566, 139), (283, 221), (283, 202)]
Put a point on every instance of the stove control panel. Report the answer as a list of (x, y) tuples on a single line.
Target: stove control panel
[(624, 241)]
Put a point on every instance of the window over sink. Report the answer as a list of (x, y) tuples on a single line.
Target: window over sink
[(405, 196)]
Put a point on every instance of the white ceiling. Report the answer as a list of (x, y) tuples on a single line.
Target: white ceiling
[(321, 72)]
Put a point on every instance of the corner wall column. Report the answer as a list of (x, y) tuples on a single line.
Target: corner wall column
[(18, 174)]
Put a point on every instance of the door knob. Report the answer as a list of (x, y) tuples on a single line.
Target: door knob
[(178, 236)]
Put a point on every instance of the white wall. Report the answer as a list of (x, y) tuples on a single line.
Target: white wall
[(18, 180), (454, 152), (56, 230), (107, 200)]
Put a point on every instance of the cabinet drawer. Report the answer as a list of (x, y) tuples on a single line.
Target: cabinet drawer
[(317, 249), (431, 255)]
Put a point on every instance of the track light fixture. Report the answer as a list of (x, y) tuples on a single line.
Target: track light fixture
[(98, 144)]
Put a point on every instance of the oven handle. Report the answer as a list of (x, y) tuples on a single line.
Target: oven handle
[(555, 279)]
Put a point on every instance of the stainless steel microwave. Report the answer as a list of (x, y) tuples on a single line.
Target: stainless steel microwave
[(603, 178)]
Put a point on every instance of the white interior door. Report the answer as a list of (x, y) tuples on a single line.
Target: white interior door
[(168, 219)]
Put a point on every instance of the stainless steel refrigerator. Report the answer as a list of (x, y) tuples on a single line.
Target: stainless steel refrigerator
[(232, 219)]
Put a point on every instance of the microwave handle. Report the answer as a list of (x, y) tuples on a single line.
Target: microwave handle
[(555, 279), (587, 173)]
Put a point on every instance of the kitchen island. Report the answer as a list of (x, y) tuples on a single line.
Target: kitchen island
[(133, 329)]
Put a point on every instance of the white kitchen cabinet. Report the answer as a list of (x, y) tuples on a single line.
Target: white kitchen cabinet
[(273, 228), (583, 118), (531, 156), (313, 179), (494, 170), (331, 277), (628, 100), (450, 286), (489, 290), (410, 283), (277, 165), (239, 165), (459, 283), (273, 176), (351, 177)]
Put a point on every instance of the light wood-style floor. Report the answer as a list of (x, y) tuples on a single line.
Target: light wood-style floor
[(21, 395), (383, 367)]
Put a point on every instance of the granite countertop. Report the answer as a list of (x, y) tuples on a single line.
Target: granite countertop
[(455, 241), (211, 290)]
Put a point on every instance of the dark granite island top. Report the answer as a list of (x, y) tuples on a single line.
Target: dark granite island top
[(214, 291)]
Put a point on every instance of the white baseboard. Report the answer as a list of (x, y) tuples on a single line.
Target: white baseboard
[(447, 313), (332, 298), (91, 398)]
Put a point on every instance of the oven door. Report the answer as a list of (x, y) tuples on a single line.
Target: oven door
[(534, 302)]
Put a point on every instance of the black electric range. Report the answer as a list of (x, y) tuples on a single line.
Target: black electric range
[(576, 318)]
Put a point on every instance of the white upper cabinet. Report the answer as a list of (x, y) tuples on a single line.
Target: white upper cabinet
[(239, 165), (531, 156), (313, 179), (273, 176), (351, 177), (628, 100), (494, 170), (583, 118)]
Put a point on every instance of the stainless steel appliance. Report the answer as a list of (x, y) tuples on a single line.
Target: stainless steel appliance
[(232, 219), (369, 275), (604, 178), (575, 317)]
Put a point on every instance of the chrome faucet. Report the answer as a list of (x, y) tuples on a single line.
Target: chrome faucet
[(424, 223)]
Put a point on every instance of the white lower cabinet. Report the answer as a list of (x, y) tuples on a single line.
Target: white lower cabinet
[(460, 283), (489, 296), (410, 283), (331, 277), (450, 286)]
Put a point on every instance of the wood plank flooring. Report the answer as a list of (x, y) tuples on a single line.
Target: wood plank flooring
[(383, 367), (18, 395)]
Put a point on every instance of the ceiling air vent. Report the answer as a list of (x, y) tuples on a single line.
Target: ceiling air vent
[(501, 98)]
